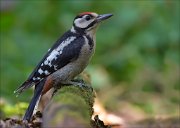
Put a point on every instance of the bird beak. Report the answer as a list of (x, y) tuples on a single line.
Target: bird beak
[(103, 17)]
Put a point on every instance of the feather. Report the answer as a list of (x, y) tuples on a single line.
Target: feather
[(34, 101), (57, 57)]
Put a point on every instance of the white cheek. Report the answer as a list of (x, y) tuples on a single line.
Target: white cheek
[(81, 23)]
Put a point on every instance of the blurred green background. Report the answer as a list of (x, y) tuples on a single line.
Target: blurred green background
[(135, 69)]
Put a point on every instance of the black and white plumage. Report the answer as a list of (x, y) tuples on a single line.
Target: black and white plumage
[(65, 50), (67, 58)]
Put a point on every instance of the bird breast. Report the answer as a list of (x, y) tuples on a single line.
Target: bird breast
[(85, 55), (75, 67)]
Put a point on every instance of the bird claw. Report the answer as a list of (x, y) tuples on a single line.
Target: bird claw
[(81, 84), (76, 82)]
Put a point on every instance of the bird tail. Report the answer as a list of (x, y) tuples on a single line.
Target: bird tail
[(34, 101)]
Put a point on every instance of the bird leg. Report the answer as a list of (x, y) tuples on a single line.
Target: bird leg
[(76, 82)]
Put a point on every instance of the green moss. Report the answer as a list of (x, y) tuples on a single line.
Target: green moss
[(72, 102)]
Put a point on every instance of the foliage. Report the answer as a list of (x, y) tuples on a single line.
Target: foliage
[(7, 110)]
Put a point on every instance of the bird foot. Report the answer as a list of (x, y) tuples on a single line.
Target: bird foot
[(80, 83), (76, 82)]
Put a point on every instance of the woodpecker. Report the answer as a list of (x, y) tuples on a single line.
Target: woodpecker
[(67, 58)]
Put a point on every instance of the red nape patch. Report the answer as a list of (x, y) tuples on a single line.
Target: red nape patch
[(85, 13)]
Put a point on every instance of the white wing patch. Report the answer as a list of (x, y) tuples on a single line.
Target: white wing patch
[(46, 72), (64, 44), (36, 78), (53, 55), (40, 71), (58, 51)]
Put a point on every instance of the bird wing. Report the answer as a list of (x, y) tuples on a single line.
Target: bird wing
[(64, 51)]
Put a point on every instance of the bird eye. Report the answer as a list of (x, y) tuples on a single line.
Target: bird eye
[(88, 17)]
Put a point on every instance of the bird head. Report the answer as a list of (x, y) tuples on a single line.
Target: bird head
[(87, 22)]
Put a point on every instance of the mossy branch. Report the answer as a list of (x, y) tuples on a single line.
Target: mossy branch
[(70, 106)]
